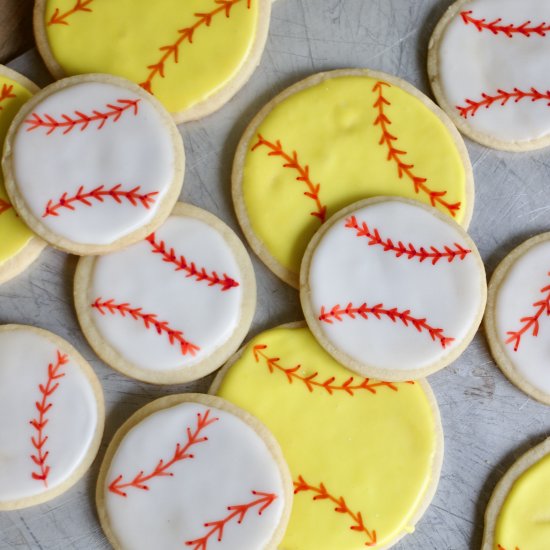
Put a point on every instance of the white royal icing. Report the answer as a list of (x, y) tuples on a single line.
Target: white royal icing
[(521, 288), (134, 151), (345, 269), (472, 63), (206, 314), (224, 470), (71, 420)]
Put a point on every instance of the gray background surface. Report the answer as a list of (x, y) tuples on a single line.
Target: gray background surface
[(488, 423)]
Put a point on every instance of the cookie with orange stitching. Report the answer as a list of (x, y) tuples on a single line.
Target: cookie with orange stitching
[(193, 55), (51, 416), (392, 288), (488, 65)]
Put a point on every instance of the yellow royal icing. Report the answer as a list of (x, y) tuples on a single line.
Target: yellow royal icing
[(524, 519), (142, 40), (373, 446), (335, 128)]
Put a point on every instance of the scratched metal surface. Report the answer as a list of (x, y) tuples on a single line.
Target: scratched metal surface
[(487, 422)]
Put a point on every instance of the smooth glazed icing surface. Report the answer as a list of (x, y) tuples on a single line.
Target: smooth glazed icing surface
[(48, 411), (129, 38), (499, 48), (373, 444), (219, 472)]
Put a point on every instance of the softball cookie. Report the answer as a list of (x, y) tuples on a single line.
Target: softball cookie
[(364, 455), (193, 471), (93, 163), (517, 322), (193, 55), (173, 307), (333, 139), (392, 288), (488, 65), (51, 416)]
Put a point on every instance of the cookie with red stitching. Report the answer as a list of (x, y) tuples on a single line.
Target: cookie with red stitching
[(393, 289), (193, 472), (93, 163), (173, 307), (517, 322), (488, 65), (51, 416)]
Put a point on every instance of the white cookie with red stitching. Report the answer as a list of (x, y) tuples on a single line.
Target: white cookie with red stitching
[(488, 65), (517, 322), (173, 307), (392, 289), (51, 416), (93, 163), (193, 471)]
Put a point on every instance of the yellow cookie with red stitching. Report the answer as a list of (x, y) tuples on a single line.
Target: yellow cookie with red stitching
[(19, 247), (517, 514), (192, 55), (365, 455), (333, 139)]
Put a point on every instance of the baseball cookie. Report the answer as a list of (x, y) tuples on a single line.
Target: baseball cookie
[(173, 307), (51, 416), (517, 322), (517, 514), (93, 163), (392, 288), (18, 246), (193, 471), (333, 139), (364, 455), (192, 55), (488, 65)]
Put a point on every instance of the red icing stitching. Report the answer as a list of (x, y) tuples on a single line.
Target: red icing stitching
[(238, 511), (6, 93), (321, 493), (378, 311), (40, 423), (394, 154), (161, 469), (187, 33), (59, 18), (500, 547), (200, 274), (501, 97), (150, 320), (531, 322), (81, 119), (509, 30), (408, 250), (4, 206), (292, 162)]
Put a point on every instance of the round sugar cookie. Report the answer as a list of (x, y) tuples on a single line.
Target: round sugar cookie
[(517, 322), (336, 138), (51, 416), (392, 288), (365, 455), (517, 514), (173, 307), (193, 471), (488, 66), (193, 55), (19, 247), (93, 163)]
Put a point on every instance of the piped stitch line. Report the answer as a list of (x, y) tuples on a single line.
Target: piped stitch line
[(6, 93), (59, 18), (510, 30), (4, 206), (500, 547), (238, 512), (162, 468), (292, 162), (394, 154)]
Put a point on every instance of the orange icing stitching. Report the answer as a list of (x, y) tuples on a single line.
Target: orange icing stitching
[(238, 511), (321, 493), (292, 162), (6, 93), (509, 30), (394, 154), (186, 33), (180, 453), (500, 547), (59, 18), (4, 206)]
